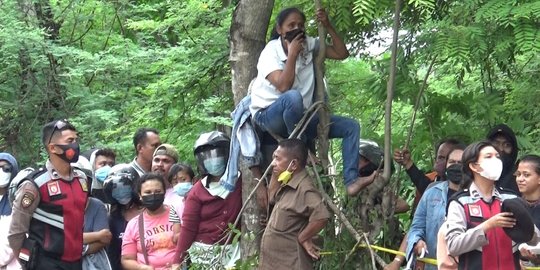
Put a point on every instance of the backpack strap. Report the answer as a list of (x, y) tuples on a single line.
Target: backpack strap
[(32, 176), (141, 237), (14, 186), (456, 197)]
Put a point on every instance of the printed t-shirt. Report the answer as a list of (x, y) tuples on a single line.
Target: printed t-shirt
[(158, 240)]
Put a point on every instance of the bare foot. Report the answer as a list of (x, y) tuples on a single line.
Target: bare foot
[(361, 183)]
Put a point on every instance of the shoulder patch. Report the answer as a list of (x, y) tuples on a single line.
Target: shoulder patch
[(83, 183), (27, 199)]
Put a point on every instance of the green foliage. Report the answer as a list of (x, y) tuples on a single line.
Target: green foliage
[(120, 66), (112, 67)]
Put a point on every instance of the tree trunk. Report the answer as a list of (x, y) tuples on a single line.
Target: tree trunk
[(248, 38)]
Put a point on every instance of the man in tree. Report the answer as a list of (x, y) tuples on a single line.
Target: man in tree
[(298, 215), (371, 159), (145, 141), (49, 206), (504, 140)]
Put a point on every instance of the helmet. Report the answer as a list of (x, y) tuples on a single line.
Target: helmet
[(212, 152), (14, 185), (119, 185), (371, 151), (212, 138)]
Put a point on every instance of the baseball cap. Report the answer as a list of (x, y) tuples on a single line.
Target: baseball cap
[(168, 150)]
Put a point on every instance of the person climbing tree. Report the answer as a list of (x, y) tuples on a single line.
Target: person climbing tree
[(284, 87)]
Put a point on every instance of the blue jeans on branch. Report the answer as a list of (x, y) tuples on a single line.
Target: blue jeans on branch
[(282, 116)]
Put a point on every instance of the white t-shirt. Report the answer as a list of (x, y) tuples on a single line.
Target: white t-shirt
[(273, 58)]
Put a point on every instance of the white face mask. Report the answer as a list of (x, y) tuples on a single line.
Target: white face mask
[(491, 168), (4, 178)]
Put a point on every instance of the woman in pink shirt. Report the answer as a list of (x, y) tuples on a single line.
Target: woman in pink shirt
[(154, 249)]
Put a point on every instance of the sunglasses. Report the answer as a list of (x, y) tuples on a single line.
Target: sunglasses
[(59, 125), (6, 168)]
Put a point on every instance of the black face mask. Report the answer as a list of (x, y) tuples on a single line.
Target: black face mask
[(70, 152), (454, 173), (153, 202), (368, 170)]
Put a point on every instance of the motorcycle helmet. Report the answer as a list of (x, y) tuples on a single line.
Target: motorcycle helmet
[(119, 185), (212, 153)]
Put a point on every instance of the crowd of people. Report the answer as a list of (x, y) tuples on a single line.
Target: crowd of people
[(85, 211), (478, 208)]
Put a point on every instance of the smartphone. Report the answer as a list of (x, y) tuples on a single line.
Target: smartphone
[(294, 33)]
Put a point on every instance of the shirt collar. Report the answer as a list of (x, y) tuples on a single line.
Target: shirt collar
[(215, 188), (280, 51), (56, 176), (297, 178), (475, 192), (137, 166)]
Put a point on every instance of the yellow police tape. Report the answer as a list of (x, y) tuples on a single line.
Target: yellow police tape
[(396, 252), (383, 249)]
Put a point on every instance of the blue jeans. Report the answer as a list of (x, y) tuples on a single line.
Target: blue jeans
[(282, 116)]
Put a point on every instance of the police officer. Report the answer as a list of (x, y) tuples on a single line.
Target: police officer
[(49, 206)]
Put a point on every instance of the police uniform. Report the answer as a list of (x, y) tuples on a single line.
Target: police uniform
[(477, 249), (51, 210)]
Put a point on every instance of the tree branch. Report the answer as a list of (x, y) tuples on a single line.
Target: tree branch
[(390, 88)]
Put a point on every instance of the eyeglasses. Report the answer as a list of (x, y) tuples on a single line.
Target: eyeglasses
[(59, 125)]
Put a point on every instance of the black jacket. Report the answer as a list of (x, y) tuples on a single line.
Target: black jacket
[(507, 180)]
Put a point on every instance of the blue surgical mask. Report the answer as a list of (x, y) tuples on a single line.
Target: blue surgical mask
[(215, 166), (122, 194), (101, 173), (182, 188)]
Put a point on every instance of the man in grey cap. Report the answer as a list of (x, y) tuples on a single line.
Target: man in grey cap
[(164, 157)]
